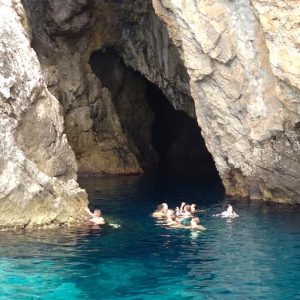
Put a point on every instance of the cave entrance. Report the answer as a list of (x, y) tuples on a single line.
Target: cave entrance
[(177, 139), (160, 136)]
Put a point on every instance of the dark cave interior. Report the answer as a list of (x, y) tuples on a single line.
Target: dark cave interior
[(171, 139)]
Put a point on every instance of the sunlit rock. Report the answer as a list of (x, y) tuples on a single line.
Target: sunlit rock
[(231, 65), (37, 166)]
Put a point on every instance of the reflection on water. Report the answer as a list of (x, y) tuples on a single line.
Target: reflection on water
[(255, 256)]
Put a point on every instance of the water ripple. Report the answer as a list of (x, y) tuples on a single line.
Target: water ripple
[(255, 256)]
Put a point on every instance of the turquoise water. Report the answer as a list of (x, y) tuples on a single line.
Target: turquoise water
[(255, 256)]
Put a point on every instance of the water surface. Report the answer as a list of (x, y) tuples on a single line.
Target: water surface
[(256, 256)]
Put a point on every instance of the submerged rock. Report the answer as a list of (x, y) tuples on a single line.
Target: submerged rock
[(37, 166)]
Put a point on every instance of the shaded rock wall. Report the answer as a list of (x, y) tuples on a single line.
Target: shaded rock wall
[(37, 166), (128, 94), (176, 136), (65, 41)]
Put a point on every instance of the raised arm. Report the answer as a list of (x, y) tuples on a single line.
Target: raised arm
[(181, 207), (89, 212)]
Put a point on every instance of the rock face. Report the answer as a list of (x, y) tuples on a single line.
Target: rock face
[(128, 92), (232, 65), (37, 166), (65, 41), (243, 61)]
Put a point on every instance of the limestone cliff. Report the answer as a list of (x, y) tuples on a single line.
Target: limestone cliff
[(37, 166), (232, 65), (247, 96), (65, 40)]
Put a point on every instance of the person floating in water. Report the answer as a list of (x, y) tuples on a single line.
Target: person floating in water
[(228, 213), (96, 217), (184, 210), (195, 224), (193, 208), (162, 211), (183, 217), (184, 213), (172, 220)]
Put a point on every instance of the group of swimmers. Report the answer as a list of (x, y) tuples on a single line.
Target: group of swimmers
[(183, 216)]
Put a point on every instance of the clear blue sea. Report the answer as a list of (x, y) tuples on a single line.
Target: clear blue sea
[(255, 256)]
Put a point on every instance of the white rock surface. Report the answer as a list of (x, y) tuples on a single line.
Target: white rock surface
[(234, 65), (37, 166), (247, 102)]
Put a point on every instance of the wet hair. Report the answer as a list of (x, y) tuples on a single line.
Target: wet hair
[(159, 207), (165, 205), (187, 208)]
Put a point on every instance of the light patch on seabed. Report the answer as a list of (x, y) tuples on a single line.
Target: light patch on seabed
[(44, 283)]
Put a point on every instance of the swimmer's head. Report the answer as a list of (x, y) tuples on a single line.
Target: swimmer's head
[(187, 208), (193, 208), (229, 208), (160, 208), (97, 213), (165, 205)]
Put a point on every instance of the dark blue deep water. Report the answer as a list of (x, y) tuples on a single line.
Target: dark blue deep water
[(255, 256)]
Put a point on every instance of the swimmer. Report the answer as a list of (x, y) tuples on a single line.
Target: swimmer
[(96, 217), (184, 214), (169, 213), (195, 224), (181, 207), (166, 208), (160, 211), (228, 213), (186, 211), (173, 221), (193, 208), (170, 216)]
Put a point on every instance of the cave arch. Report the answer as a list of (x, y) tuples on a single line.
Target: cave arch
[(157, 134)]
